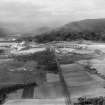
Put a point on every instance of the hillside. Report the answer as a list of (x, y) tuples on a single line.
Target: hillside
[(89, 25), (90, 29)]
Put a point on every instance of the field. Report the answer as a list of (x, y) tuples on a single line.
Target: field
[(33, 67), (18, 72), (81, 82)]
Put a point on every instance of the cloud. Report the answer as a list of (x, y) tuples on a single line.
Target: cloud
[(52, 7), (48, 12)]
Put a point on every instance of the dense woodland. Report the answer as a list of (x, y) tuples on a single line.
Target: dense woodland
[(66, 36)]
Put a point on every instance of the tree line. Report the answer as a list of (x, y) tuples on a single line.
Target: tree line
[(65, 36), (70, 36)]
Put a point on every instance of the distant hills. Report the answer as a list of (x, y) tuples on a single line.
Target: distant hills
[(10, 29), (89, 25), (90, 29)]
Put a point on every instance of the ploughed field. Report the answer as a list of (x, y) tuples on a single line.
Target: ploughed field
[(82, 83), (75, 74)]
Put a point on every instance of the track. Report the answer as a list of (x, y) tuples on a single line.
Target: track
[(65, 90)]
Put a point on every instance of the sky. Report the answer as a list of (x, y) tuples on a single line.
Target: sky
[(37, 13)]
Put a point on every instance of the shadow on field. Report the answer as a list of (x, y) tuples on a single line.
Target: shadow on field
[(27, 91)]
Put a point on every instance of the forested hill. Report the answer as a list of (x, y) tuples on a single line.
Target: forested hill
[(89, 25), (90, 29)]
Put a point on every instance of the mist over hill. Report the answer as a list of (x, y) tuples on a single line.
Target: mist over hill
[(19, 30), (89, 29), (3, 33)]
